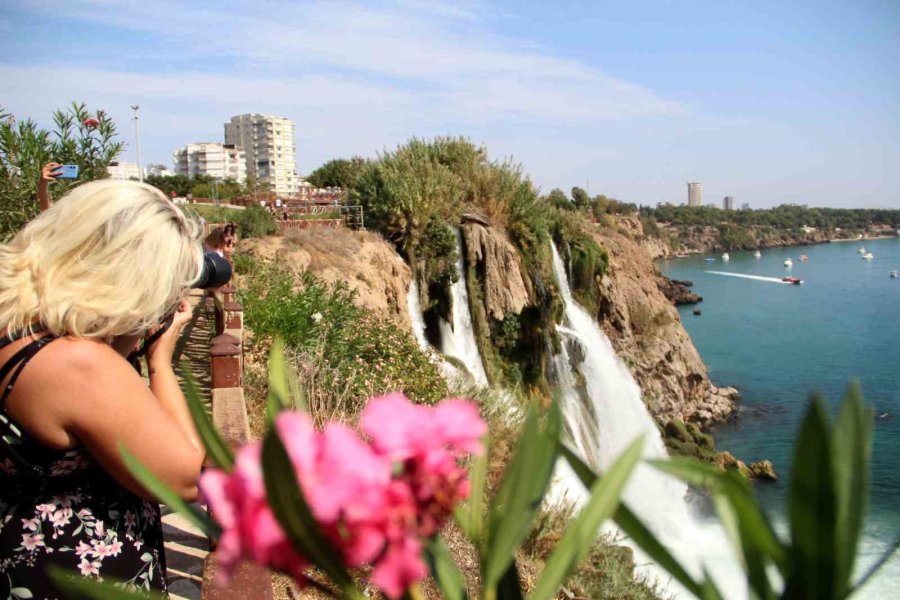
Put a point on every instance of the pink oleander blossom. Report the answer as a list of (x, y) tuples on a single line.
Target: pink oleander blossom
[(374, 499), (91, 123)]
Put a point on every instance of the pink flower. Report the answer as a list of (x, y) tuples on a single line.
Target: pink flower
[(400, 567), (82, 549), (31, 524), (32, 541), (89, 568), (91, 122), (401, 429)]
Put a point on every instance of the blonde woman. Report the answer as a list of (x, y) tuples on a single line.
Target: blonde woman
[(79, 287)]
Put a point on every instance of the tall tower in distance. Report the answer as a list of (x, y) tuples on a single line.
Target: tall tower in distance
[(728, 203), (695, 193), (268, 142)]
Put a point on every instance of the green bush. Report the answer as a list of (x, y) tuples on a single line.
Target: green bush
[(255, 221), (359, 353)]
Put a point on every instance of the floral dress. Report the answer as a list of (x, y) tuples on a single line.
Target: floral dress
[(60, 508)]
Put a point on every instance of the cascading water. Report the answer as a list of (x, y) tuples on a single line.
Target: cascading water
[(605, 420), (458, 337), (415, 314)]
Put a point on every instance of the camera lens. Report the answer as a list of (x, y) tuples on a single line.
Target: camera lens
[(216, 272)]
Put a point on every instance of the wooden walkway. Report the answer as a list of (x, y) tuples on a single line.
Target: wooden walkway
[(187, 547)]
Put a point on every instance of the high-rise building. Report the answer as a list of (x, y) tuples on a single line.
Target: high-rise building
[(728, 202), (270, 151), (695, 194), (745, 206), (215, 159)]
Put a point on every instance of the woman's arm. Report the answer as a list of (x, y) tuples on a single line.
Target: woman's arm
[(49, 172)]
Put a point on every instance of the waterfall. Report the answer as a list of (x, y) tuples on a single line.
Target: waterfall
[(415, 313), (458, 337), (603, 418)]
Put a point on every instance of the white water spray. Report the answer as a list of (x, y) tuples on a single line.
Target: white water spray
[(617, 415), (414, 307), (745, 276), (458, 337)]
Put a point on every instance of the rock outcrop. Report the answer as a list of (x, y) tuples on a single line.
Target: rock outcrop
[(763, 469), (497, 264), (678, 292), (364, 261), (646, 331)]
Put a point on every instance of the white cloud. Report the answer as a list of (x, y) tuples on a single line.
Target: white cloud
[(355, 78)]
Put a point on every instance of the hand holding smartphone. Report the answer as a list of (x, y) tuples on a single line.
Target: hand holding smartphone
[(67, 172)]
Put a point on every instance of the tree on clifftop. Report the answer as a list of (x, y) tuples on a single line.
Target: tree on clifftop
[(339, 172)]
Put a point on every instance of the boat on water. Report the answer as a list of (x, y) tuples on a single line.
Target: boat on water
[(757, 254), (726, 257), (792, 280), (868, 256), (861, 250), (710, 259), (893, 274), (788, 263), (804, 257), (697, 312)]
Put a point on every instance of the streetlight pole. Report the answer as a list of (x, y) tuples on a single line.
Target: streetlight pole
[(137, 141)]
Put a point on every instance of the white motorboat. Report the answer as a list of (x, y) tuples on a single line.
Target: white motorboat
[(861, 250), (757, 254), (893, 274), (788, 263), (726, 257), (868, 256)]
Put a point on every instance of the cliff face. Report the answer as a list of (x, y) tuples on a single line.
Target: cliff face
[(646, 330), (364, 261), (497, 264)]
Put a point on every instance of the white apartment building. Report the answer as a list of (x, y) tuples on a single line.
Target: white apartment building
[(271, 153), (728, 203), (695, 194), (123, 170), (158, 171), (215, 159)]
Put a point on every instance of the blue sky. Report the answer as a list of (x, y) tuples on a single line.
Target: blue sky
[(768, 102)]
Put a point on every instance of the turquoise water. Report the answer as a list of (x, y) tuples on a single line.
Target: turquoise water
[(777, 342)]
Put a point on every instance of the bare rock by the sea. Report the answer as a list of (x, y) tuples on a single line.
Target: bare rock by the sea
[(763, 469)]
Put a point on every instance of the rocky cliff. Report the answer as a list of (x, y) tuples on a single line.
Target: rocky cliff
[(498, 267), (646, 330), (364, 261)]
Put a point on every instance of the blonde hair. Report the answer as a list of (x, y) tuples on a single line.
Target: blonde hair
[(109, 258)]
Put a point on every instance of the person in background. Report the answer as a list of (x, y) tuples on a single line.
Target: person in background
[(72, 308), (49, 172), (202, 223), (215, 241)]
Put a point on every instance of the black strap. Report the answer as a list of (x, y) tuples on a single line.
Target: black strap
[(18, 335), (18, 362), (149, 341)]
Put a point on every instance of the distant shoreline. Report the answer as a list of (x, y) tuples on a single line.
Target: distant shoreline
[(789, 245)]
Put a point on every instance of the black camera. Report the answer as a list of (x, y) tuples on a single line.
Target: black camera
[(216, 272)]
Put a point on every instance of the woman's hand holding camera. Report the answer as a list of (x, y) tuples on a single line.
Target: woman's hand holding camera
[(160, 352)]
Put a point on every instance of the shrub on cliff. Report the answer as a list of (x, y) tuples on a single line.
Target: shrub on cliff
[(355, 353)]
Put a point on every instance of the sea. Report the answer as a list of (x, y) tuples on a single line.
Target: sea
[(777, 343)]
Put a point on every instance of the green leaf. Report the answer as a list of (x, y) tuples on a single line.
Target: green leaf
[(812, 507), (581, 534), (285, 391), (217, 451), (290, 508), (754, 534), (478, 477), (521, 492), (152, 484), (635, 529), (851, 444), (447, 576), (83, 588), (21, 593)]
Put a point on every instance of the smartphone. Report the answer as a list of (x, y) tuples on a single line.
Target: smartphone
[(68, 172)]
